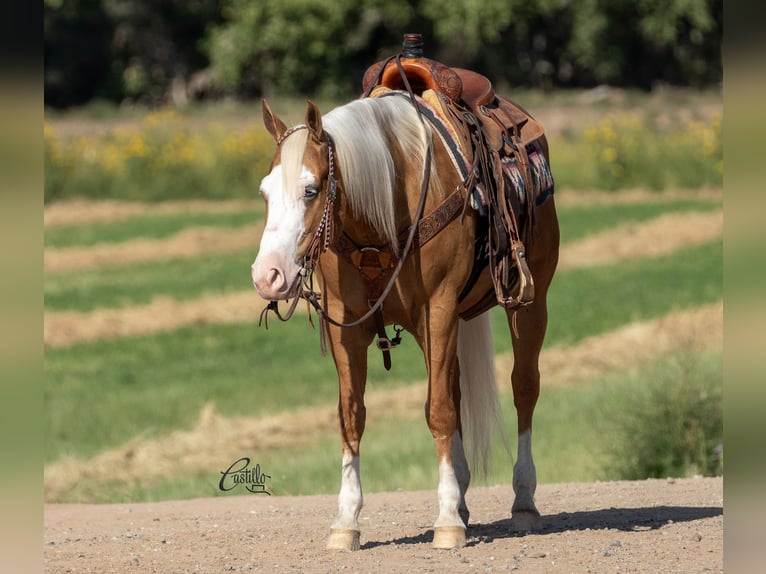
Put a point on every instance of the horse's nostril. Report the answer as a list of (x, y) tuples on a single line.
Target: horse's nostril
[(276, 278)]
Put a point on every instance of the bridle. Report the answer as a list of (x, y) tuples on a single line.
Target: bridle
[(322, 240)]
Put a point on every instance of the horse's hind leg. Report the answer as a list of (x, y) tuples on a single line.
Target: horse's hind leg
[(349, 348), (530, 325), (525, 378)]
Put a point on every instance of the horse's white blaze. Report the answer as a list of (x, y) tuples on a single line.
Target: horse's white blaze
[(350, 498), (275, 269), (524, 475), (449, 497)]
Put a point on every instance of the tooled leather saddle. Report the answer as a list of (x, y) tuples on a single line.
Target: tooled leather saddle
[(491, 131)]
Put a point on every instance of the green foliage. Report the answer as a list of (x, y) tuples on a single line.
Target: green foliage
[(671, 423), (641, 42), (164, 156), (167, 155), (469, 23), (300, 46), (177, 51), (630, 150)]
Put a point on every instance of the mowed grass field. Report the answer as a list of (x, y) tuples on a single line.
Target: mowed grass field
[(157, 377)]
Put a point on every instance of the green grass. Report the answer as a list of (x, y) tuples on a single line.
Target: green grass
[(584, 302), (181, 279), (576, 222), (150, 385), (579, 435), (102, 394), (155, 383), (145, 226)]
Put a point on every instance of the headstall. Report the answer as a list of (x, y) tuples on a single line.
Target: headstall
[(322, 239)]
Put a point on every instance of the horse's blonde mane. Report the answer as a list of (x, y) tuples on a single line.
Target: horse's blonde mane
[(362, 131)]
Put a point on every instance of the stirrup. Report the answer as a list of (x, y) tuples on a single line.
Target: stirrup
[(502, 279)]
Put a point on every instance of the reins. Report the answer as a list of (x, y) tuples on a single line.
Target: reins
[(324, 229)]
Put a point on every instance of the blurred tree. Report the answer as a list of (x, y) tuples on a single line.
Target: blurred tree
[(303, 46), (529, 47), (554, 43), (77, 34), (118, 49), (643, 42), (172, 50), (157, 46), (463, 29)]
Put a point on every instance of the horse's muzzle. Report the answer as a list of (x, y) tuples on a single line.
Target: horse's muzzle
[(275, 281)]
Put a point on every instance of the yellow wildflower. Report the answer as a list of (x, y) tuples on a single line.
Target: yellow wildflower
[(609, 155), (137, 146)]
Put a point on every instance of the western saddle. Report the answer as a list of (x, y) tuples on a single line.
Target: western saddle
[(489, 129)]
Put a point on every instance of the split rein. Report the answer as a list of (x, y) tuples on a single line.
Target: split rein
[(322, 239)]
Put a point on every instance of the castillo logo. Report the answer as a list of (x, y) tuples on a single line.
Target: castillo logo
[(241, 473)]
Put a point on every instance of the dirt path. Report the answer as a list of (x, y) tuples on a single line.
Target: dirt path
[(185, 244), (66, 328), (654, 238), (668, 526), (82, 211)]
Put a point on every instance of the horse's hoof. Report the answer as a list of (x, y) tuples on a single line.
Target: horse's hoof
[(449, 537), (526, 521), (343, 539)]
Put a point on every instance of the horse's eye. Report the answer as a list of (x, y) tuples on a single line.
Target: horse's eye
[(310, 192)]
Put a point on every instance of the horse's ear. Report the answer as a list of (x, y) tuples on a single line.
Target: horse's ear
[(314, 120), (274, 125)]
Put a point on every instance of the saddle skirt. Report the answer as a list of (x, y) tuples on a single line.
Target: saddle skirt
[(495, 144)]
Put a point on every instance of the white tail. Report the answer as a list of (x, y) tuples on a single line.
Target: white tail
[(479, 404)]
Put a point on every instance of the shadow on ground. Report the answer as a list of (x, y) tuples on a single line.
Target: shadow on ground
[(623, 519)]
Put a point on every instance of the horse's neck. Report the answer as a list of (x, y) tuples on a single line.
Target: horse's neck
[(442, 180), (364, 234)]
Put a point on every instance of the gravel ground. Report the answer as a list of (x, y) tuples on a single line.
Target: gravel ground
[(673, 525)]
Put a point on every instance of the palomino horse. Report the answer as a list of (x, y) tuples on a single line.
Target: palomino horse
[(357, 173)]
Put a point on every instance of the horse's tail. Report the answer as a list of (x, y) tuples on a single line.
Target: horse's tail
[(480, 413)]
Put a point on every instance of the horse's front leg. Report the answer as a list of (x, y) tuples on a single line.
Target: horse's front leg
[(439, 342), (349, 349)]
